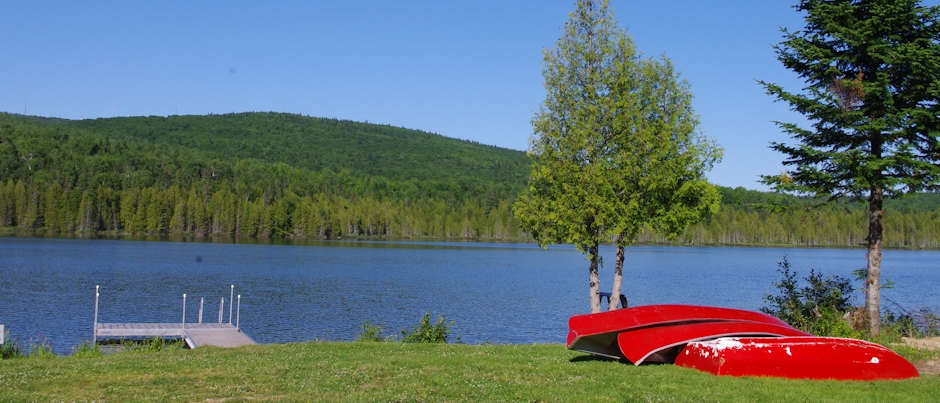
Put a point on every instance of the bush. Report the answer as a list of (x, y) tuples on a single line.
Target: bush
[(371, 333), (816, 308), (425, 332)]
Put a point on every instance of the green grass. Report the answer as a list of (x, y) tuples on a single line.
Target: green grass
[(408, 372)]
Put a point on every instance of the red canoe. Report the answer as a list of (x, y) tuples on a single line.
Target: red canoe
[(597, 333), (661, 344), (796, 358)]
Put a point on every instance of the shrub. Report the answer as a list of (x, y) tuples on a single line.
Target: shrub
[(371, 333), (425, 332), (816, 308)]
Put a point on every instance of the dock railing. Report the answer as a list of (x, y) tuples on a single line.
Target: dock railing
[(95, 326)]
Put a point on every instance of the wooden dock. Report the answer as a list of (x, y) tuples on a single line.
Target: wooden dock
[(195, 334)]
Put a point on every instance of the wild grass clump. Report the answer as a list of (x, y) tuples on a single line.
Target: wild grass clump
[(39, 347), (152, 345), (87, 349), (10, 348)]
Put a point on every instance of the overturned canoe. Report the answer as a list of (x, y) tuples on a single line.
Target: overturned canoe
[(796, 358), (597, 333), (661, 344)]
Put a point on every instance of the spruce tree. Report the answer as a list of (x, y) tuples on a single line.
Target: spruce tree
[(872, 70)]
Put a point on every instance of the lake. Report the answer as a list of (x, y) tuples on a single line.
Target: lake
[(321, 290)]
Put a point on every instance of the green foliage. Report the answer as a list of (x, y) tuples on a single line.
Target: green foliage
[(372, 333), (872, 69), (815, 308), (924, 322), (616, 145), (426, 332), (96, 179), (39, 347), (87, 349), (152, 345), (10, 348), (872, 98)]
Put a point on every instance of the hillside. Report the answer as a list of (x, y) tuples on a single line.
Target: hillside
[(380, 160), (318, 144)]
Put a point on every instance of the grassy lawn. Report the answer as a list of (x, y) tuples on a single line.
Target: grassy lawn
[(408, 372)]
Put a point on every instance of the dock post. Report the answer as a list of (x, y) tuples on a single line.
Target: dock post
[(230, 297), (201, 300), (221, 306), (238, 311), (184, 311), (94, 331)]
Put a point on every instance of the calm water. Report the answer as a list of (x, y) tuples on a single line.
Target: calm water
[(499, 293)]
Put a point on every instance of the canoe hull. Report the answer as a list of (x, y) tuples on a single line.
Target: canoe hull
[(796, 358), (661, 344), (597, 333)]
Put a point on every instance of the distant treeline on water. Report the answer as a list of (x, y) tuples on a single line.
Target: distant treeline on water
[(281, 175)]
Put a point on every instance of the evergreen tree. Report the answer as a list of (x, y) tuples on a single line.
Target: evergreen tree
[(616, 145), (872, 69)]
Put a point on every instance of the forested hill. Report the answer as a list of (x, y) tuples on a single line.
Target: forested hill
[(252, 174), (324, 144), (343, 157), (275, 174)]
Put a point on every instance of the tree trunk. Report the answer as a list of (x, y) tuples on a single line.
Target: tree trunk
[(618, 278), (873, 283), (594, 281)]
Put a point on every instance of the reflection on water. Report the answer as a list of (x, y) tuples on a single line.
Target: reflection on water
[(297, 291)]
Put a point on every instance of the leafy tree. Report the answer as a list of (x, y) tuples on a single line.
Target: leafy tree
[(872, 69), (616, 146)]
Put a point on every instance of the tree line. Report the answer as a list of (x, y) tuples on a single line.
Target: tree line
[(233, 211)]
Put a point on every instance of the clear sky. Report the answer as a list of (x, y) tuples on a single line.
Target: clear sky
[(463, 69)]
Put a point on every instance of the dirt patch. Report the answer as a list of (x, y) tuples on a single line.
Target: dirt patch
[(932, 343), (928, 367), (925, 367)]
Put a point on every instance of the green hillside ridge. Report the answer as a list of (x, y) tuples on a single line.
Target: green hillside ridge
[(319, 144), (277, 174)]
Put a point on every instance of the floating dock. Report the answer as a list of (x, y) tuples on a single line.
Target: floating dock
[(194, 334)]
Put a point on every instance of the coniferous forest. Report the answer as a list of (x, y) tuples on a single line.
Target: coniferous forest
[(285, 175)]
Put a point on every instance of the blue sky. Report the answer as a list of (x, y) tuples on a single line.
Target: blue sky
[(469, 70)]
